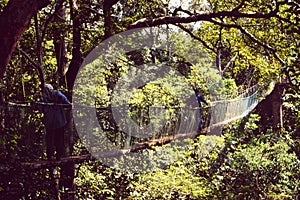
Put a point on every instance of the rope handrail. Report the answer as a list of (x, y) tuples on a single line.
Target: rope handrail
[(219, 112), (30, 104), (234, 99), (33, 104)]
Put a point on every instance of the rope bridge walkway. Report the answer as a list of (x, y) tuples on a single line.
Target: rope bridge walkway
[(25, 120), (226, 111)]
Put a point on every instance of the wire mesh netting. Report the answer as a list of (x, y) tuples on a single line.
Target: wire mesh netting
[(225, 111)]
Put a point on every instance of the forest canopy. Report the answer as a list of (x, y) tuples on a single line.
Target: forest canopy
[(221, 48)]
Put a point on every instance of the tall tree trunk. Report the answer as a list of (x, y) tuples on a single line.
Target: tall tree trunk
[(108, 22), (39, 52), (14, 20), (270, 109), (59, 39), (277, 106), (76, 51), (68, 170), (77, 56)]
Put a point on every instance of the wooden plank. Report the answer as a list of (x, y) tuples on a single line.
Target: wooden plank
[(63, 160)]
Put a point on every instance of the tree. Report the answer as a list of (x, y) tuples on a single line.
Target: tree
[(14, 20)]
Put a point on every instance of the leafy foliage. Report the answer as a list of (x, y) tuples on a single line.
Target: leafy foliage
[(259, 169), (237, 44)]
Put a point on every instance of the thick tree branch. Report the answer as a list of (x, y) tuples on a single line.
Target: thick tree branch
[(13, 23), (198, 17), (235, 13), (179, 9)]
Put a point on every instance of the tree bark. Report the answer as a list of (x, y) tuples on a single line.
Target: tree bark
[(14, 20), (218, 61), (270, 109), (59, 38), (77, 57), (277, 106), (39, 53), (108, 22), (68, 170)]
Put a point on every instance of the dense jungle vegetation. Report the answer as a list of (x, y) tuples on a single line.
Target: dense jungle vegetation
[(221, 47)]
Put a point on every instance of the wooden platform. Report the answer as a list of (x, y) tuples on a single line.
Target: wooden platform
[(86, 157)]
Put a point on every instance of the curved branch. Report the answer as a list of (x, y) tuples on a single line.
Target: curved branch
[(251, 37), (196, 38), (49, 19), (35, 65), (179, 9), (239, 6), (235, 13)]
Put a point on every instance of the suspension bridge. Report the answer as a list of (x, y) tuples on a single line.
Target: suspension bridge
[(24, 119)]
